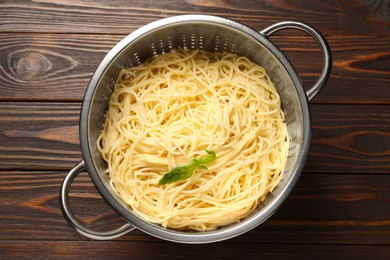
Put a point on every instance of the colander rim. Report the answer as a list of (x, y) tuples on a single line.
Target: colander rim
[(180, 236)]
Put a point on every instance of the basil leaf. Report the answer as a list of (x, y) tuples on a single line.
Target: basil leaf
[(184, 172), (178, 173)]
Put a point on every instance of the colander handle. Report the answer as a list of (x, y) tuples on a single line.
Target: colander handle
[(74, 222), (327, 65)]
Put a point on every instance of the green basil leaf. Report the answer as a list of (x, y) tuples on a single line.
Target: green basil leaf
[(184, 172)]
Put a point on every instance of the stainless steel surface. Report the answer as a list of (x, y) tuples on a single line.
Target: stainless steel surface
[(212, 34), (74, 222), (327, 58)]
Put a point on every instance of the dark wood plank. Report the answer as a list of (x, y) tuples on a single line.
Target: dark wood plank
[(333, 18), (39, 135), (322, 209), (346, 138), (138, 250), (62, 65), (350, 139), (35, 65)]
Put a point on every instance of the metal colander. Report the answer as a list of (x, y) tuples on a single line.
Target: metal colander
[(213, 34)]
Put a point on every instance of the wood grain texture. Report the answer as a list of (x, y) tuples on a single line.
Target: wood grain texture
[(113, 17), (38, 64), (350, 139), (39, 135), (62, 65), (346, 138), (322, 209), (163, 250)]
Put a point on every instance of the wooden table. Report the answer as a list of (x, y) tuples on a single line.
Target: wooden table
[(339, 208)]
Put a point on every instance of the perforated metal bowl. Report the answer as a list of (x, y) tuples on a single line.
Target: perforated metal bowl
[(209, 33)]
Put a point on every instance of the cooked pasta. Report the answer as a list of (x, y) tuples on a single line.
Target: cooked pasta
[(171, 108)]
